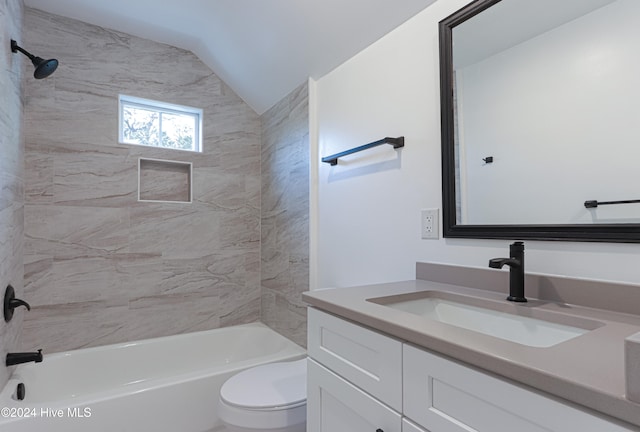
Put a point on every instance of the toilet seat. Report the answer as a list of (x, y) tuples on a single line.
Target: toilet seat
[(270, 397), (268, 387)]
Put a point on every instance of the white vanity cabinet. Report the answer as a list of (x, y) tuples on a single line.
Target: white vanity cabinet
[(360, 380), (354, 377)]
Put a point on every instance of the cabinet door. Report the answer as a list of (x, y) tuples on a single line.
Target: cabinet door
[(445, 396), (335, 405)]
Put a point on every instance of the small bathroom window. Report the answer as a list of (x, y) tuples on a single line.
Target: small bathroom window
[(159, 124)]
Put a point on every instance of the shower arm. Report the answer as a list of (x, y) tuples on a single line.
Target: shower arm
[(15, 48)]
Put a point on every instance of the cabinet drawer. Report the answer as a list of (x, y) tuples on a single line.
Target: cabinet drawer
[(335, 405), (368, 359), (445, 396)]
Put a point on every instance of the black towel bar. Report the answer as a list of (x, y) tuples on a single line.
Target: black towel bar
[(395, 142), (595, 203)]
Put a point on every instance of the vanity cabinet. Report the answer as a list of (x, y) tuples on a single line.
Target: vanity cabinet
[(355, 374), (354, 377)]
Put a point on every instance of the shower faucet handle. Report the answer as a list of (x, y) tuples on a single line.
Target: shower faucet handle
[(14, 303), (11, 302)]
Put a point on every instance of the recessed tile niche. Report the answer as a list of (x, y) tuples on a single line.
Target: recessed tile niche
[(164, 181)]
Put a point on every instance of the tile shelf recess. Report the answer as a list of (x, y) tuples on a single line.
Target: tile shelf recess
[(164, 181), (395, 142)]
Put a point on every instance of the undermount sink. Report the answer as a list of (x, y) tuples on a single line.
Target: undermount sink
[(484, 316)]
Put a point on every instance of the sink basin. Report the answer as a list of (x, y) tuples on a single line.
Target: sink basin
[(484, 316)]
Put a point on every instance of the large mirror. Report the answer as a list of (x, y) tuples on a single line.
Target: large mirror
[(541, 120)]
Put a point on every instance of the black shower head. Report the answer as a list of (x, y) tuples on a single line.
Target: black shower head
[(44, 68)]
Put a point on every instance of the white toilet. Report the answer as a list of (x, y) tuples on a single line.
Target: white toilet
[(269, 398)]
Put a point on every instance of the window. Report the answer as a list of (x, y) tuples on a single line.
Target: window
[(159, 124)]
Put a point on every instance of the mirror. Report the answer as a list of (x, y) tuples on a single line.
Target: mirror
[(541, 120)]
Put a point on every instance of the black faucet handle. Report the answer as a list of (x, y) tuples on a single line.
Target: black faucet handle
[(497, 262), (11, 302), (14, 303), (501, 262)]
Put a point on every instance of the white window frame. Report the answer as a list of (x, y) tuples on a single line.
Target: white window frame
[(161, 107)]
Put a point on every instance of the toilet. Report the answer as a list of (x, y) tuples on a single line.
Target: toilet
[(269, 398)]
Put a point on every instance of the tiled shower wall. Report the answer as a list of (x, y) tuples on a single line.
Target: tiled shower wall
[(285, 214), (101, 267), (11, 173)]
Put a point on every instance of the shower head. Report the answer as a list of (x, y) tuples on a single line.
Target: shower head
[(44, 68)]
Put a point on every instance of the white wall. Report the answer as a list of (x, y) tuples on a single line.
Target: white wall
[(567, 105), (367, 209)]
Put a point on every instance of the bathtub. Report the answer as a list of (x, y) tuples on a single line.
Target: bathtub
[(165, 384)]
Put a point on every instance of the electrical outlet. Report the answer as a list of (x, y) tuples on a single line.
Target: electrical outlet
[(429, 222)]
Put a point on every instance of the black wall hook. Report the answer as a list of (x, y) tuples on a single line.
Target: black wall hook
[(11, 302)]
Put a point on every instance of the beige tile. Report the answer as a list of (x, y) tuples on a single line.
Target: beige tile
[(93, 175), (210, 275), (284, 318), (220, 188), (285, 215), (63, 327), (69, 231), (171, 314), (39, 183), (37, 279), (85, 279), (175, 230), (275, 272), (240, 229)]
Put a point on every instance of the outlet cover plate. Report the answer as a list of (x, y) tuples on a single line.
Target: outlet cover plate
[(429, 224)]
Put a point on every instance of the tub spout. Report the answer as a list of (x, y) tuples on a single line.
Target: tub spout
[(17, 358)]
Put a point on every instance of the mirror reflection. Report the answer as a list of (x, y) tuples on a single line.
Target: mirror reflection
[(546, 113)]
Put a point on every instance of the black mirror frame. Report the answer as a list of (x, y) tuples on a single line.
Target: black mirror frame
[(617, 233)]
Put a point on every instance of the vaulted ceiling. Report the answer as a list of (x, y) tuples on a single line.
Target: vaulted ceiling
[(263, 49)]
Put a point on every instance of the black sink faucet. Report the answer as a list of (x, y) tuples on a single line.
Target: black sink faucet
[(516, 271), (24, 357)]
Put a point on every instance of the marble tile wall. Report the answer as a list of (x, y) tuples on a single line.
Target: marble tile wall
[(285, 215), (11, 174), (100, 266)]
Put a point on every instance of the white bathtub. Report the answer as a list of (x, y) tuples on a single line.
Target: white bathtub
[(166, 384)]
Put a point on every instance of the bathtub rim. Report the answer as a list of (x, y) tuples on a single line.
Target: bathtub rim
[(148, 341)]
